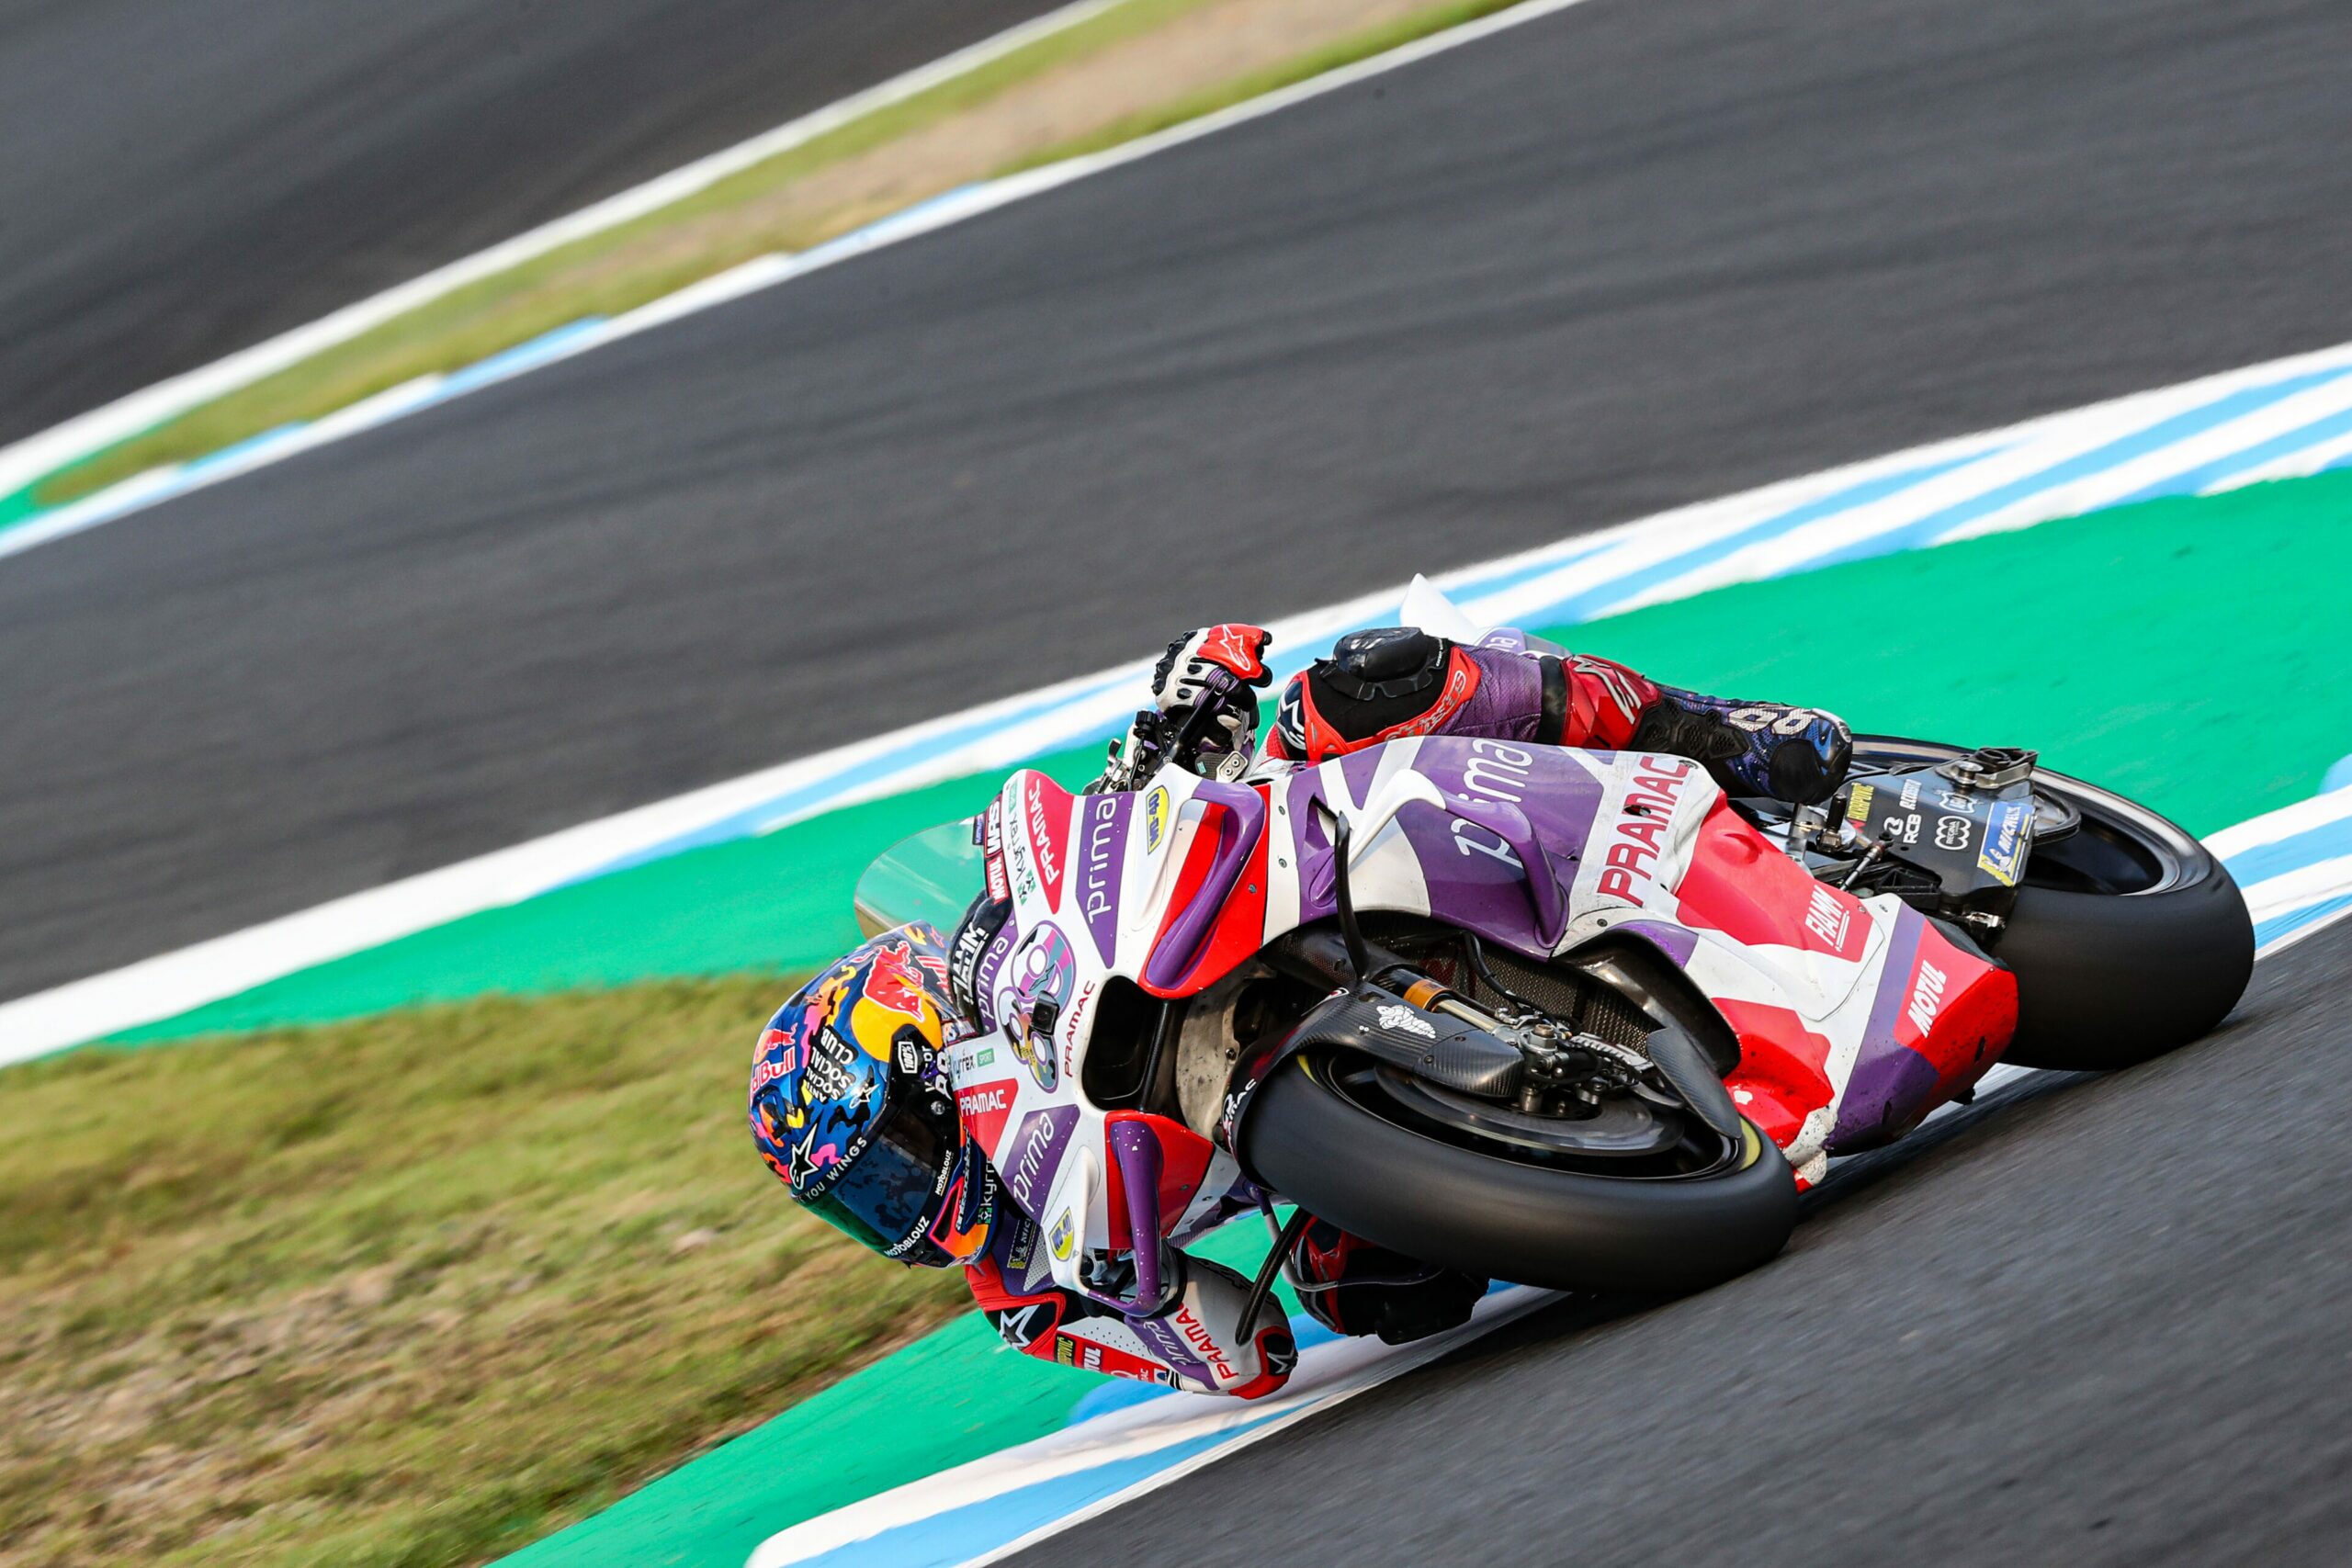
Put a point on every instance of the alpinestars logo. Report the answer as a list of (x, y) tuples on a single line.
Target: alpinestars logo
[(1613, 679), (1231, 647), (1022, 1325), (1290, 719), (1404, 1020)]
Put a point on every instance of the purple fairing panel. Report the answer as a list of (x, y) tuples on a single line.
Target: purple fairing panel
[(1135, 1152), (1891, 1086), (1099, 845), (1034, 1155), (1499, 861), (1238, 828), (1677, 942), (1310, 844)]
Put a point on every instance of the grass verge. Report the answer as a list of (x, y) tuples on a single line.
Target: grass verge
[(1139, 67), (410, 1291)]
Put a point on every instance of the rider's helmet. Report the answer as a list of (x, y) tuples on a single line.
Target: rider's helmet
[(851, 1105)]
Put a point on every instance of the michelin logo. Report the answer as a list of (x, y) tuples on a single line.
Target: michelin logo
[(2003, 855)]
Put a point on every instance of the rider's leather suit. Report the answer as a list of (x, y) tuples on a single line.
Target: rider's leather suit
[(1379, 685), (1395, 682)]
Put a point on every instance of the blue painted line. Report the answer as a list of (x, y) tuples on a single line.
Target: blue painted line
[(197, 466), (2339, 772), (2207, 475), (857, 240), (2271, 930), (549, 344), (772, 812), (958, 1535), (1594, 601), (2295, 852), (1479, 588), (1120, 1394), (2098, 459)]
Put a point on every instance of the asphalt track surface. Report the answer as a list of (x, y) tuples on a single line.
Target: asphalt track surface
[(187, 177), (2089, 1321), (1626, 256)]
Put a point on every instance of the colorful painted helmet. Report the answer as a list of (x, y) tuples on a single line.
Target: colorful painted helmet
[(852, 1107)]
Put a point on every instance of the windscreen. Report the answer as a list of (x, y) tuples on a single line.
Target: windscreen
[(931, 876)]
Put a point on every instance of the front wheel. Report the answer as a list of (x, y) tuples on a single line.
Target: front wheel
[(1324, 1134)]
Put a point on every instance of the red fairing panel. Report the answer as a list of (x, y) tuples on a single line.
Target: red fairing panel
[(1958, 1012), (1935, 1016), (1740, 885), (1184, 1158)]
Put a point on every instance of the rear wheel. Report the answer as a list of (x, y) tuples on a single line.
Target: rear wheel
[(2129, 938), (1463, 1184)]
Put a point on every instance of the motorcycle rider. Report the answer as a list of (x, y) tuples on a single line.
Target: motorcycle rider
[(850, 1106)]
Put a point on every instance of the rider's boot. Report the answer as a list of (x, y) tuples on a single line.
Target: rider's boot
[(1793, 754), (1353, 1287)]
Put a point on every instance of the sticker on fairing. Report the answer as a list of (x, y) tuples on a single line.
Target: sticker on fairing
[(1154, 817), (2003, 855), (992, 846)]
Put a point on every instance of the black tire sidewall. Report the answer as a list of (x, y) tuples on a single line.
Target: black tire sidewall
[(2110, 980), (1490, 1215), (2106, 982)]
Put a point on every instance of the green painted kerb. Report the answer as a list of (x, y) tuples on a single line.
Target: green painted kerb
[(2076, 644), (2134, 647), (779, 902), (16, 506)]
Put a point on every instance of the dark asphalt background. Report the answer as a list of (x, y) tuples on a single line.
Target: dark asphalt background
[(1626, 256), (187, 177), (2089, 1322)]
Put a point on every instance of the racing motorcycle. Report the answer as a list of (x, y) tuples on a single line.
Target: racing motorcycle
[(1568, 1018)]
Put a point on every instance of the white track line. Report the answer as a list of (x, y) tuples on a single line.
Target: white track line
[(903, 1527), (26, 460), (1666, 556)]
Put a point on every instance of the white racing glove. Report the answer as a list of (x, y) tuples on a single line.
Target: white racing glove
[(1216, 665)]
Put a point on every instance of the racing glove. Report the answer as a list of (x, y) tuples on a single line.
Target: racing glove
[(1217, 666)]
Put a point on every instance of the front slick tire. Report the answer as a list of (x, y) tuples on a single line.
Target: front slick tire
[(1488, 1214)]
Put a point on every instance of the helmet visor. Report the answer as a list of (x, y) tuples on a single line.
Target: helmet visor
[(891, 1191)]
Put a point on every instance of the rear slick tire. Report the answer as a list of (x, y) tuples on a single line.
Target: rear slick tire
[(1530, 1225), (2106, 982), (2129, 939)]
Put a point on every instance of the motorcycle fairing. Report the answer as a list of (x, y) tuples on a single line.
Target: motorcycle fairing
[(1854, 1017), (1543, 849), (1097, 883)]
